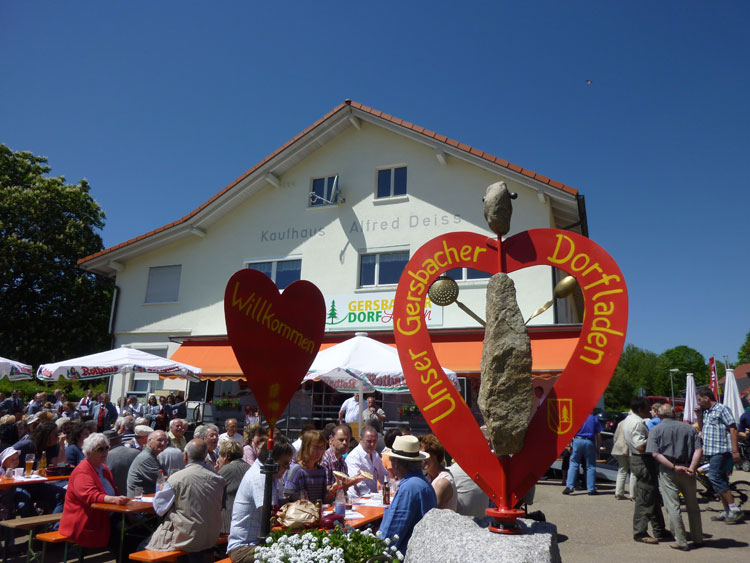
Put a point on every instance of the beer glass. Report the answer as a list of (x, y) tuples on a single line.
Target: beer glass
[(29, 464)]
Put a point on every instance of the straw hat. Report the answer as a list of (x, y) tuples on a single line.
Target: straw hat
[(406, 447)]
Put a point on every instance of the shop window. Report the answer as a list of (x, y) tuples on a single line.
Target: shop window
[(391, 182), (163, 284), (467, 274), (325, 191), (282, 272), (382, 269)]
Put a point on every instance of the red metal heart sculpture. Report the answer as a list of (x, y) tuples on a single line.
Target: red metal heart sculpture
[(576, 391), (275, 337)]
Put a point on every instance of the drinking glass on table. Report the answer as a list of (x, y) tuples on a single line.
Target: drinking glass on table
[(29, 464), (137, 493)]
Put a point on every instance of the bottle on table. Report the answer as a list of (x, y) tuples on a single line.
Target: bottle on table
[(340, 506), (386, 492), (160, 480)]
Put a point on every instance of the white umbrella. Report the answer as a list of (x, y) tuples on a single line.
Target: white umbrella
[(120, 360), (691, 401), (14, 371), (732, 396), (362, 361)]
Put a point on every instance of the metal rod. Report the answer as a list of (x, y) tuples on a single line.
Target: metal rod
[(269, 470)]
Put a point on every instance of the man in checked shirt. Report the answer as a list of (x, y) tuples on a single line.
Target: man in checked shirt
[(333, 458)]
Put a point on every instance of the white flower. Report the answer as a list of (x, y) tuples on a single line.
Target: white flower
[(379, 534)]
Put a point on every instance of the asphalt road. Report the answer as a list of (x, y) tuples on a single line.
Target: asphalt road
[(600, 528)]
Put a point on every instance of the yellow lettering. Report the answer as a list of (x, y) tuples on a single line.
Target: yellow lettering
[(597, 360), (410, 321), (555, 259), (602, 309)]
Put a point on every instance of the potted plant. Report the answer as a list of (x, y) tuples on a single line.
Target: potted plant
[(340, 545)]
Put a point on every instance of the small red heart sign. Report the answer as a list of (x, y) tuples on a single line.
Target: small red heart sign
[(275, 337), (576, 391)]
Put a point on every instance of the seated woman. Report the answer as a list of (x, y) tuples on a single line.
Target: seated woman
[(437, 474), (257, 436), (248, 503), (74, 452), (11, 503), (43, 441), (233, 469), (90, 482), (307, 477)]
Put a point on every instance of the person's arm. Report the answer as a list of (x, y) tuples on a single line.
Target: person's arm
[(735, 445), (443, 491), (697, 455)]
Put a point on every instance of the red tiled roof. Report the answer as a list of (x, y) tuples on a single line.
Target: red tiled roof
[(347, 103)]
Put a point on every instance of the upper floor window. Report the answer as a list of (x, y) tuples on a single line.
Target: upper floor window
[(163, 284), (282, 272), (382, 269), (391, 182), (324, 191), (466, 274)]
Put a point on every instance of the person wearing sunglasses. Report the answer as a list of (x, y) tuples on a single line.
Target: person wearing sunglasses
[(90, 482)]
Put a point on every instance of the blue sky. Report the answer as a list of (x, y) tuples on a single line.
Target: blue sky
[(161, 104)]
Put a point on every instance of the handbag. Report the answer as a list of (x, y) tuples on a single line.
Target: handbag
[(298, 514)]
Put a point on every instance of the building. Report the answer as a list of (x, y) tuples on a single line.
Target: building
[(343, 204)]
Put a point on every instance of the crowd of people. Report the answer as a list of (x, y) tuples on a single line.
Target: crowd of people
[(662, 456), (214, 483)]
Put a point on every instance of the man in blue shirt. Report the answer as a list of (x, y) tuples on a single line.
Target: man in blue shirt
[(586, 444), (415, 496)]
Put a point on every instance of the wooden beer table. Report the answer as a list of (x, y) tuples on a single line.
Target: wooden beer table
[(132, 508)]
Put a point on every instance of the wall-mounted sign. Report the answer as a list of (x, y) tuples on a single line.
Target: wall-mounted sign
[(355, 311)]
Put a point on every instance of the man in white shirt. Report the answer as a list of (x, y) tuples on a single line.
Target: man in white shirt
[(350, 410), (365, 458), (231, 433)]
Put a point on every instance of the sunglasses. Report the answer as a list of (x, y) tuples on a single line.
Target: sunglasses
[(101, 449)]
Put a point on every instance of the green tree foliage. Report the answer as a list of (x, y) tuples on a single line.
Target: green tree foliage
[(686, 360), (743, 356), (50, 310), (634, 371)]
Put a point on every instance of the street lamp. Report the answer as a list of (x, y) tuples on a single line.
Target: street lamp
[(671, 382)]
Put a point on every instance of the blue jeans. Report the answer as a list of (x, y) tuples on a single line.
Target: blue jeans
[(582, 449), (719, 468)]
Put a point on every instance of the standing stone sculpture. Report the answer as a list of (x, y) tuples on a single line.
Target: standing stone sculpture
[(505, 392)]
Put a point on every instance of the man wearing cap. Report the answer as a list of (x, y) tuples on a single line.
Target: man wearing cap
[(119, 459), (414, 497), (142, 432)]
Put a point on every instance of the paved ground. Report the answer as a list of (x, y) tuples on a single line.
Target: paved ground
[(598, 529)]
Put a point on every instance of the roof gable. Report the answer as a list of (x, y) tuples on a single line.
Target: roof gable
[(270, 169)]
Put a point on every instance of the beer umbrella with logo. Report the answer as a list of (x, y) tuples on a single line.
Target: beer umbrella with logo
[(15, 371), (120, 360), (362, 365)]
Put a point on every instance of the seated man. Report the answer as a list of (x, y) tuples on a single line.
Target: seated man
[(145, 469), (414, 497), (365, 459), (248, 503), (192, 520)]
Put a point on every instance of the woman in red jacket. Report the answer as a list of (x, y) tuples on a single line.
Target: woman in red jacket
[(90, 482)]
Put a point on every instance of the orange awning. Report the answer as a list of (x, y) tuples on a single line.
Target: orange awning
[(550, 353)]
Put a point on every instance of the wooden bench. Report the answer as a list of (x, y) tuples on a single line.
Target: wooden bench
[(151, 556), (30, 524), (54, 538)]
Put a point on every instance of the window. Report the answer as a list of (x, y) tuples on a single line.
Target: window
[(163, 284), (324, 191), (467, 274), (382, 269), (391, 182), (282, 272)]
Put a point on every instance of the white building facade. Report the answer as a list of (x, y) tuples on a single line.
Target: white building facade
[(343, 205)]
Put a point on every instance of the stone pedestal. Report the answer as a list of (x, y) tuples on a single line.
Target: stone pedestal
[(445, 536)]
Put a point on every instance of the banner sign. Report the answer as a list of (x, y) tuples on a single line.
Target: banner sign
[(275, 337), (357, 311), (575, 392)]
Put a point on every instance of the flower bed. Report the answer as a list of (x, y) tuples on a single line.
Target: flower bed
[(340, 545)]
